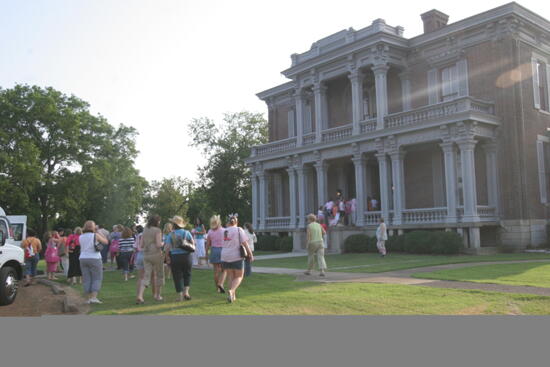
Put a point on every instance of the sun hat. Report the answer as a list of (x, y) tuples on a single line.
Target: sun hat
[(177, 220)]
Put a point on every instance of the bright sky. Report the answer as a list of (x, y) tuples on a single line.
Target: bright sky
[(156, 64)]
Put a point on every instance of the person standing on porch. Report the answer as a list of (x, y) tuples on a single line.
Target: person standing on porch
[(315, 248), (381, 237), (374, 203)]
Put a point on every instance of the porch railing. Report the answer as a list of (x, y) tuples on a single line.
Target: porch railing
[(424, 215), (486, 212), (337, 133), (367, 125), (274, 147), (372, 217), (277, 222), (308, 139)]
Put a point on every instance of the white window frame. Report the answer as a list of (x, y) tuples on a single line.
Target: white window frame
[(291, 120), (541, 140), (449, 82), (457, 83), (535, 77)]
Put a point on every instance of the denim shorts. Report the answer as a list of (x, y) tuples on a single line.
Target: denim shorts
[(215, 255), (236, 265), (30, 265)]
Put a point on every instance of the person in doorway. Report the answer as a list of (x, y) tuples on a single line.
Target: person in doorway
[(369, 203), (381, 237), (214, 244), (315, 248), (374, 204), (32, 247)]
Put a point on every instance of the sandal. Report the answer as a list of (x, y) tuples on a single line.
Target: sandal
[(221, 289), (140, 301), (186, 297)]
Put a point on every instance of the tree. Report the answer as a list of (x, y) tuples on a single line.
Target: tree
[(225, 180), (168, 197), (61, 163)]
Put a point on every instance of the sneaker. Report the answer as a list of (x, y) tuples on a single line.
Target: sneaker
[(95, 300)]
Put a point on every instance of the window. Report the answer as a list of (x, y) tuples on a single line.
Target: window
[(449, 83), (291, 124), (543, 151), (541, 83)]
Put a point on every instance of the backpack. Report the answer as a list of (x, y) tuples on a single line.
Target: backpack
[(113, 248)]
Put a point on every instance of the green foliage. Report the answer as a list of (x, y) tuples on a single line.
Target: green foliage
[(226, 178), (63, 164), (415, 242), (284, 244), (267, 243), (168, 197), (359, 243)]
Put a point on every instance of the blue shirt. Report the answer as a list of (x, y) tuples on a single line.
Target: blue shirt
[(199, 229), (181, 233)]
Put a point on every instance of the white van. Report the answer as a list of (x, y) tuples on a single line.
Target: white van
[(12, 262)]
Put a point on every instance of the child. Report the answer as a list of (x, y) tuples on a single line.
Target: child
[(51, 255)]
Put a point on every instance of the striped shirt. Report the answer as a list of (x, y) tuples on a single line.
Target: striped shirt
[(126, 244)]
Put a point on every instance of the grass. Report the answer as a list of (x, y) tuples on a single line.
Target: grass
[(265, 294), (373, 263), (260, 253), (529, 274)]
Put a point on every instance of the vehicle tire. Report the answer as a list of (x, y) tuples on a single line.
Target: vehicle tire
[(8, 285)]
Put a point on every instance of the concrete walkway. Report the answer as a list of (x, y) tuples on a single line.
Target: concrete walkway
[(404, 277), (280, 256)]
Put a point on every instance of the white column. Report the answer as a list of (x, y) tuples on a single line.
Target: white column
[(490, 149), (381, 85), (405, 90), (384, 186), (254, 184), (449, 156), (301, 172), (278, 183), (468, 179), (292, 194), (321, 168), (263, 197), (359, 163), (398, 182), (319, 91), (299, 98), (356, 79)]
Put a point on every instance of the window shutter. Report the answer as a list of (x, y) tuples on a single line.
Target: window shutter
[(446, 82), (307, 118), (291, 124), (536, 88), (432, 86), (462, 77), (542, 173), (548, 86)]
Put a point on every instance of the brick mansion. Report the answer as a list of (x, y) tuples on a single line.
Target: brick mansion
[(448, 130)]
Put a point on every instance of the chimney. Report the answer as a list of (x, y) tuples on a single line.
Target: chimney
[(433, 20)]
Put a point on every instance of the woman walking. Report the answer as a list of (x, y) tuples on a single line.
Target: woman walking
[(168, 227), (252, 239), (199, 256), (90, 260), (381, 237), (63, 251), (115, 236), (214, 243), (232, 260), (73, 246), (315, 248), (125, 251), (32, 247), (180, 259), (153, 259)]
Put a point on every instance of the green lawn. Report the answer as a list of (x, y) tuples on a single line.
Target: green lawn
[(373, 263), (530, 274), (260, 253), (265, 294)]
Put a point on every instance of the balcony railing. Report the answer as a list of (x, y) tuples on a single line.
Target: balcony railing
[(277, 222), (308, 139), (424, 215), (337, 133), (486, 212), (275, 147), (368, 125), (372, 217), (439, 110)]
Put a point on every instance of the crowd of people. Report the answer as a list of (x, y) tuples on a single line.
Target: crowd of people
[(83, 254), (341, 211)]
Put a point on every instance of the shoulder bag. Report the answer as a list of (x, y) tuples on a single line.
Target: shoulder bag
[(183, 243)]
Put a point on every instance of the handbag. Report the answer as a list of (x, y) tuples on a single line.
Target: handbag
[(97, 246), (182, 243), (242, 249)]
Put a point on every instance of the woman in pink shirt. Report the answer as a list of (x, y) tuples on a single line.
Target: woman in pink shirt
[(232, 260), (214, 243)]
